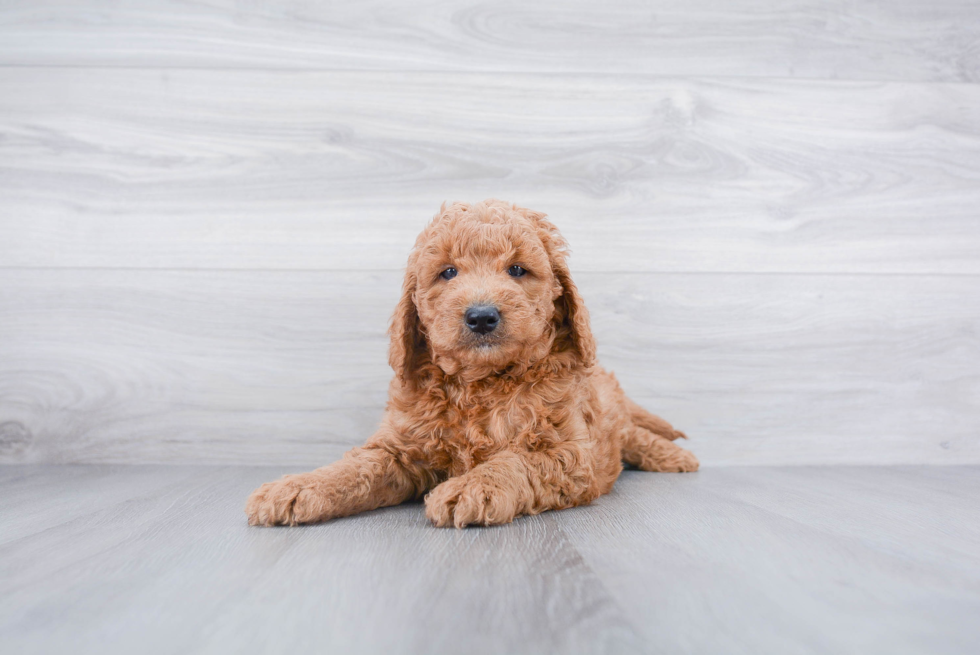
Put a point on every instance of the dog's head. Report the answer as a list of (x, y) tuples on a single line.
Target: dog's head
[(487, 289)]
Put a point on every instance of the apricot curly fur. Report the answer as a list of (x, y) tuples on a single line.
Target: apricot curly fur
[(486, 427)]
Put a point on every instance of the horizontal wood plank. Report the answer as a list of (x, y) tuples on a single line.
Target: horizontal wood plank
[(337, 171), (868, 39), (290, 367)]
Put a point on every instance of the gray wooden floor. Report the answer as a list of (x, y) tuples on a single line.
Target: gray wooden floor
[(158, 559)]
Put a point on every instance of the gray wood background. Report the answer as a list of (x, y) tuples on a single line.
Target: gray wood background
[(774, 209)]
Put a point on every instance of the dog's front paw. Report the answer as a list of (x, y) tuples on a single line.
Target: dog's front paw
[(468, 500), (272, 503), (290, 501)]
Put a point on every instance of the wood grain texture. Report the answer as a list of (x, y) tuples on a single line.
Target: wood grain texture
[(175, 568), (290, 367), (746, 560), (838, 39), (293, 170), (205, 206), (802, 560)]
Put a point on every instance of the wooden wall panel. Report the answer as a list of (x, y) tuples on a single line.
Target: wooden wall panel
[(259, 169), (774, 209), (836, 39), (290, 367)]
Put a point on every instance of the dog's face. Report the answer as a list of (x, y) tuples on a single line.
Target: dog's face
[(487, 287)]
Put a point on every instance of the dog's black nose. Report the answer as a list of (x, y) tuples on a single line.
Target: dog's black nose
[(482, 319)]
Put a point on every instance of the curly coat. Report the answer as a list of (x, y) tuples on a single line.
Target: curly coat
[(486, 427)]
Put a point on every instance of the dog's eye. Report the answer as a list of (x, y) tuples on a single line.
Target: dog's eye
[(516, 271), (448, 274)]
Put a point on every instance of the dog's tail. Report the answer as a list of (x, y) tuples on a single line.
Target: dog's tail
[(652, 422)]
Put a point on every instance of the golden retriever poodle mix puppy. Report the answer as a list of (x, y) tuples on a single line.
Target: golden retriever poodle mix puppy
[(497, 407)]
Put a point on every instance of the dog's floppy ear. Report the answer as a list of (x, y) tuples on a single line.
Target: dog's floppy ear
[(407, 339), (571, 316), (572, 331)]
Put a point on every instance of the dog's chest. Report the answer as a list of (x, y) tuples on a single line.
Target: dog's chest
[(471, 428)]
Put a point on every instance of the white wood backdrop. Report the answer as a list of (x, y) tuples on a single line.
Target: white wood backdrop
[(774, 209)]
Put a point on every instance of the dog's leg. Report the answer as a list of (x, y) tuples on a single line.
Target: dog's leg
[(653, 452), (366, 478), (511, 484)]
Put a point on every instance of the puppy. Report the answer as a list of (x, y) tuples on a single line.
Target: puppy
[(497, 407)]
